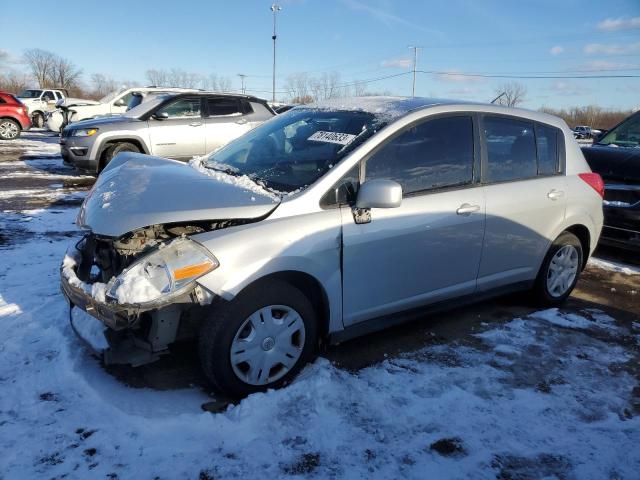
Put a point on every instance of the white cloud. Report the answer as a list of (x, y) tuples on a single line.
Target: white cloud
[(609, 49), (397, 63), (621, 23), (557, 50), (455, 76)]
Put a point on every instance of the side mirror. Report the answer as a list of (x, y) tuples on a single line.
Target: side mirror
[(161, 115), (379, 194), (120, 103)]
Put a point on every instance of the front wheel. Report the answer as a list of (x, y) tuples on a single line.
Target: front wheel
[(560, 270), (37, 120), (259, 340), (115, 149), (9, 129)]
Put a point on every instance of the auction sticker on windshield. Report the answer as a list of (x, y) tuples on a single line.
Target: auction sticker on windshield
[(332, 137)]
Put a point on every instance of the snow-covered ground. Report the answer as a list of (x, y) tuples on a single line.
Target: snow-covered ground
[(550, 395)]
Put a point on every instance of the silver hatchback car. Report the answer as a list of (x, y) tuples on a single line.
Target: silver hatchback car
[(328, 222)]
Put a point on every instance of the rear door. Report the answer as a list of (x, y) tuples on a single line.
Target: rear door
[(182, 134), (525, 191), (428, 249), (226, 118)]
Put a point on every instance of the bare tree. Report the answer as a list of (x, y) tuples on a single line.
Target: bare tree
[(224, 84), (102, 84), (298, 87), (41, 64), (157, 77), (511, 94), (64, 74), (14, 82)]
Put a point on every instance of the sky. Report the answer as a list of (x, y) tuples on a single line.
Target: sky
[(361, 40)]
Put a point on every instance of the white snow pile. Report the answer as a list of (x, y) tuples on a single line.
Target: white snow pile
[(136, 287), (614, 266), (537, 397), (243, 181), (70, 261)]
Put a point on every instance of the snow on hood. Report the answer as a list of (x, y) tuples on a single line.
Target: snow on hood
[(138, 190)]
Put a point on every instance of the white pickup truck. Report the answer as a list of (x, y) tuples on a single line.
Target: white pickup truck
[(115, 103), (39, 101)]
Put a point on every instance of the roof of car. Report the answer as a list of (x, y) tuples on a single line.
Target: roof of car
[(224, 94), (393, 107)]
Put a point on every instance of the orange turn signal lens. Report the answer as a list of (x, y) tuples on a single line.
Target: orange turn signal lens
[(191, 271)]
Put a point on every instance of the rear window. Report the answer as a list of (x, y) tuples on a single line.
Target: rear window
[(222, 106)]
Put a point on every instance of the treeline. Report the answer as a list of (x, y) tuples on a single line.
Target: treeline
[(591, 116)]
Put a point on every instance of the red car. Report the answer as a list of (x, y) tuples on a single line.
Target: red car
[(13, 117)]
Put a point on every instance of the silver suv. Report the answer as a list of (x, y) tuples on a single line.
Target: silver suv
[(176, 126), (328, 222)]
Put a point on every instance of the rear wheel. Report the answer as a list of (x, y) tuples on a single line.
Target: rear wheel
[(259, 340), (9, 129), (115, 149), (560, 270)]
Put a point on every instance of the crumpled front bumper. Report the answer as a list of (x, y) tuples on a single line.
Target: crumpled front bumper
[(112, 314)]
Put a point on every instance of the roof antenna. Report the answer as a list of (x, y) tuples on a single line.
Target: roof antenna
[(498, 97)]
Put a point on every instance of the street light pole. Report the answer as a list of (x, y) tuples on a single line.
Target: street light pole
[(274, 8), (242, 77)]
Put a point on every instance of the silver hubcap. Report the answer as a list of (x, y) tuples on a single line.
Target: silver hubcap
[(267, 345), (562, 271), (8, 130)]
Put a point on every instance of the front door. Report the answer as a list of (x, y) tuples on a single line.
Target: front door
[(181, 134), (428, 249)]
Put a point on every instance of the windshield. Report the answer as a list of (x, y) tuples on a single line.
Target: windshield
[(147, 105), (293, 150), (30, 94), (627, 134), (110, 96)]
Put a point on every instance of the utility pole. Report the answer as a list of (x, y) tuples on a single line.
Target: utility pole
[(242, 77), (415, 65), (275, 8)]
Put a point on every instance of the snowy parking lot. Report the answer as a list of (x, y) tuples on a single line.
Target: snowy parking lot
[(495, 390)]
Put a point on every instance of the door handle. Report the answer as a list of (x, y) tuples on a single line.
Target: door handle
[(555, 194), (195, 124), (467, 209), (242, 121)]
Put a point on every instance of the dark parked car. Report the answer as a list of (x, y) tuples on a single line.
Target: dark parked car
[(13, 117), (616, 157)]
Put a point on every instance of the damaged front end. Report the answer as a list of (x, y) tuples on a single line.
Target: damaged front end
[(142, 286)]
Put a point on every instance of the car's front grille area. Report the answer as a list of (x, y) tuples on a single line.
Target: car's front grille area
[(621, 195)]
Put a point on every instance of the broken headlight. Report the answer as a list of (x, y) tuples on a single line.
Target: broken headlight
[(168, 270)]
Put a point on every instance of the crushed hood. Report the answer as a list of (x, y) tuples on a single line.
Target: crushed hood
[(137, 190)]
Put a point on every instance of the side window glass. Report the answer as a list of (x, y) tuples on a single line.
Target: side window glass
[(511, 149), (434, 154), (124, 101), (246, 107), (547, 147), (47, 96), (183, 108), (58, 96), (222, 106)]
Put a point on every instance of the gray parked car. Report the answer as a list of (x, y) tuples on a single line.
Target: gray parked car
[(176, 126), (328, 222)]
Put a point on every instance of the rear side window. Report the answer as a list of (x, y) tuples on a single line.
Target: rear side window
[(434, 154), (246, 107), (547, 148), (2, 100), (511, 149), (222, 106)]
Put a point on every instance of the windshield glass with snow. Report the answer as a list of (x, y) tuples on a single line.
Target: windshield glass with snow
[(293, 150), (30, 94), (627, 134)]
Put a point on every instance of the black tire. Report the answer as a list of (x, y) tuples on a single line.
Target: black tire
[(37, 120), (115, 149), (9, 129), (541, 289), (223, 322)]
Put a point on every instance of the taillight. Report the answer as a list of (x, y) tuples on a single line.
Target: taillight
[(594, 181)]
